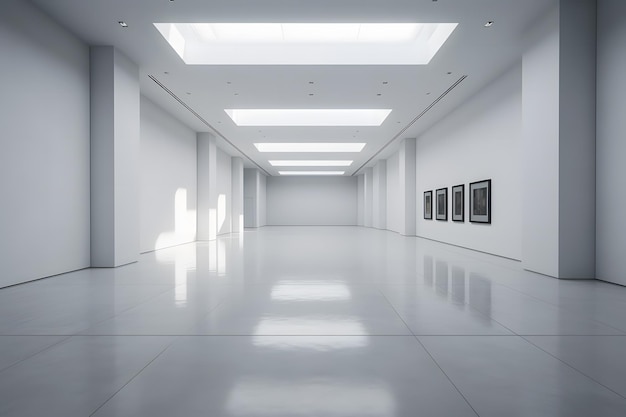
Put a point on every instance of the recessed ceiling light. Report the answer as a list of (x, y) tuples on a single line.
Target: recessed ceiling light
[(385, 82), (489, 24), (302, 163), (123, 24), (449, 72), (311, 172), (311, 94), (236, 94), (308, 117), (311, 82), (310, 147), (427, 94), (306, 43), (166, 72), (188, 93), (379, 94)]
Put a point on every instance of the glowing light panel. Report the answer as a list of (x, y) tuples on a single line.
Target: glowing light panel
[(311, 172), (308, 117), (327, 163), (310, 147)]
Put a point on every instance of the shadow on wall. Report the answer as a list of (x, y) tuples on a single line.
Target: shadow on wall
[(184, 223)]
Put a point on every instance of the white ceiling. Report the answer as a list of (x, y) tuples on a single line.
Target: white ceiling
[(473, 54)]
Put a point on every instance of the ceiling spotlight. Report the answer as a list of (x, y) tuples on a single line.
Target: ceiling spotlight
[(311, 94), (385, 82), (311, 82), (123, 24), (449, 72), (379, 94), (166, 72), (489, 24)]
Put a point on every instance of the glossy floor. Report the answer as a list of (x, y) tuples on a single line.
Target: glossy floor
[(313, 321)]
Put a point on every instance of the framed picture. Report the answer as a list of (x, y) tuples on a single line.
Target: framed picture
[(441, 196), (428, 205), (480, 201), (458, 203)]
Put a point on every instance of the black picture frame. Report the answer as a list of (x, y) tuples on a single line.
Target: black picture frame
[(458, 203), (441, 198), (428, 205), (480, 202)]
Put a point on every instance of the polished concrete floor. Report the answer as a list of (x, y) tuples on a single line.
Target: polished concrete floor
[(313, 321)]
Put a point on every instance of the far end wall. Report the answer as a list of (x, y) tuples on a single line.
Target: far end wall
[(312, 201)]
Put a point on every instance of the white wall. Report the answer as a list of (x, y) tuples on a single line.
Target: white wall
[(224, 192), (44, 157), (168, 179), (312, 201), (480, 140), (610, 145)]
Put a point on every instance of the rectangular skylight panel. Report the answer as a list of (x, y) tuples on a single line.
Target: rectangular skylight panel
[(306, 43), (310, 147), (302, 163), (325, 173), (308, 117)]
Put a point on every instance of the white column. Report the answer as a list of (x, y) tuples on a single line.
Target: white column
[(237, 194), (368, 197), (114, 158), (379, 194), (207, 186), (360, 200), (250, 197), (558, 160), (610, 145), (407, 173)]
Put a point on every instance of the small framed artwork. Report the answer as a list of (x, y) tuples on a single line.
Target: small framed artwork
[(458, 203), (480, 201), (428, 205), (441, 196)]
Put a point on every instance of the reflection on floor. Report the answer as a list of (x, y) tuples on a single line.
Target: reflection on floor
[(313, 321)]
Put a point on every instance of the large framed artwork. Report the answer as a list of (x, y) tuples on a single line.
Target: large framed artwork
[(480, 201), (441, 197), (458, 203), (428, 205)]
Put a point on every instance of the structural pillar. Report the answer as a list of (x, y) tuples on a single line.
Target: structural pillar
[(115, 131), (207, 186), (558, 160), (237, 194)]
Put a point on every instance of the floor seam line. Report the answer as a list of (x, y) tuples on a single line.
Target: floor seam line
[(572, 367), (133, 377), (428, 353)]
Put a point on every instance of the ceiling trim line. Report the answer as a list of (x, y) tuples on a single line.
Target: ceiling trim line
[(217, 132), (412, 122)]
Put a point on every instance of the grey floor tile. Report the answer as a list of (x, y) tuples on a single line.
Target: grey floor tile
[(76, 376), (243, 376), (508, 376), (602, 358)]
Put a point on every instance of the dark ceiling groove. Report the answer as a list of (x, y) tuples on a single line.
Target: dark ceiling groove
[(412, 122), (192, 111)]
